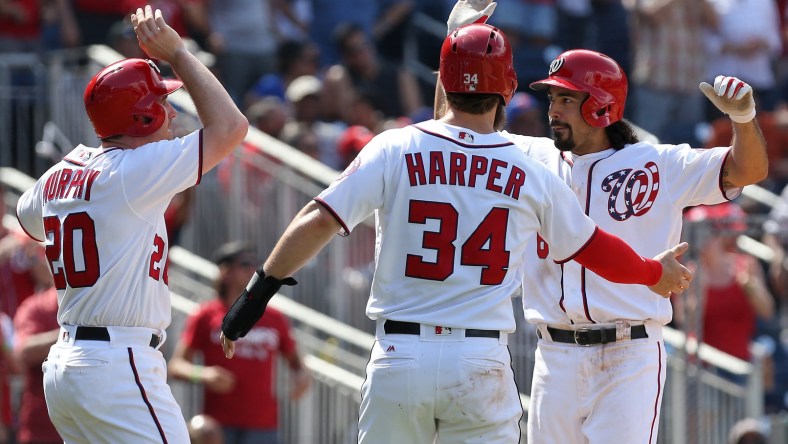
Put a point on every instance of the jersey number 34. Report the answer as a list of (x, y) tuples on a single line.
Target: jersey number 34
[(491, 232)]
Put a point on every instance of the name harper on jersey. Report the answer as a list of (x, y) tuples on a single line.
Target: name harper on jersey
[(459, 169), (69, 183)]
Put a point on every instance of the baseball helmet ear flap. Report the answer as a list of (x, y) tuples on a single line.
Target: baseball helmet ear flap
[(477, 59), (125, 99), (593, 73)]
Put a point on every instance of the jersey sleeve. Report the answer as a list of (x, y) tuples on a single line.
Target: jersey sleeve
[(695, 175), (154, 173), (564, 225), (29, 210), (358, 191)]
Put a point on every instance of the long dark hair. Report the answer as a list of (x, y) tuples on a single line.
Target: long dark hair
[(621, 133)]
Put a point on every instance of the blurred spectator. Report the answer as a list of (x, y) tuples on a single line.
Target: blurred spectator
[(731, 284), (774, 126), (572, 25), (305, 95), (35, 330), (293, 19), (394, 91), (177, 214), (96, 17), (303, 138), (390, 28), (530, 26), (749, 431), (524, 116), (745, 44), (241, 34), (239, 393), (121, 38), (204, 430), (353, 139), (269, 115), (20, 26), (294, 59), (610, 31), (23, 267), (776, 237), (669, 62), (58, 24), (330, 14)]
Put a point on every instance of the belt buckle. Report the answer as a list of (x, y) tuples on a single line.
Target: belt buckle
[(577, 337)]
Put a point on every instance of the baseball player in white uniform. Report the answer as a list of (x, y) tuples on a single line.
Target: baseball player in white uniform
[(100, 214), (600, 364), (455, 202)]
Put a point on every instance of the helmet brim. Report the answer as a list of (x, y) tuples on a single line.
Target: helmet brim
[(544, 84), (172, 85)]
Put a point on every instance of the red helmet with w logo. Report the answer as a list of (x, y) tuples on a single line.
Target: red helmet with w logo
[(596, 74), (477, 59), (123, 98)]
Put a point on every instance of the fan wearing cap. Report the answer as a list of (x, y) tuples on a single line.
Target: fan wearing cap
[(731, 290), (601, 342), (239, 393), (100, 214)]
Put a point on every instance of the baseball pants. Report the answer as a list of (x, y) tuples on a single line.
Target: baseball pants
[(111, 391), (445, 388), (597, 394)]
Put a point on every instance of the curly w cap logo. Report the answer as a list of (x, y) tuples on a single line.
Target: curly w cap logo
[(632, 193), (555, 65)]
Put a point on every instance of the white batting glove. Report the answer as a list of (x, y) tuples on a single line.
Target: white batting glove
[(731, 96), (466, 12)]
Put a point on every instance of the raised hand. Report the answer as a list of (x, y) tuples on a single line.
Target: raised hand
[(675, 276), (156, 37), (466, 12), (731, 96)]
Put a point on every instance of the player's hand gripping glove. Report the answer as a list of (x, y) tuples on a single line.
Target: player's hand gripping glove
[(250, 305), (466, 12), (731, 96)]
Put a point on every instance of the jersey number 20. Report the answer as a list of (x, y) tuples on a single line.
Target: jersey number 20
[(63, 239), (491, 232)]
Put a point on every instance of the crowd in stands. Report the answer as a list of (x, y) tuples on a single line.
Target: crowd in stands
[(327, 76)]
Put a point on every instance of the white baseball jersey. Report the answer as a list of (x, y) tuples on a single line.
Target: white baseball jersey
[(100, 212), (454, 210), (637, 193)]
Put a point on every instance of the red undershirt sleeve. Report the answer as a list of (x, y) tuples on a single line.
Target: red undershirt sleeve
[(614, 260)]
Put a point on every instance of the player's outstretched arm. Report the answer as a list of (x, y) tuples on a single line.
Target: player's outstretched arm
[(748, 163), (311, 230), (224, 126), (662, 274), (675, 276)]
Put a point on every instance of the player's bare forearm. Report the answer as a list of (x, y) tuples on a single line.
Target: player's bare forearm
[(310, 231), (748, 162), (224, 126)]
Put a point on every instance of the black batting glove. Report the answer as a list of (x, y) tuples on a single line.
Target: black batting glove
[(250, 305)]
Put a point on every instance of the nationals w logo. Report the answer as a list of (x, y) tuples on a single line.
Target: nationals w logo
[(631, 193)]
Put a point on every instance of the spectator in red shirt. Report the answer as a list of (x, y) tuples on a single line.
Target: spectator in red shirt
[(35, 330), (239, 393)]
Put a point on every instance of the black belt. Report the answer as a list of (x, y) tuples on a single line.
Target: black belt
[(589, 336), (102, 334), (411, 328)]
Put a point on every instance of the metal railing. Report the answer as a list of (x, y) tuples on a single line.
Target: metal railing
[(255, 193)]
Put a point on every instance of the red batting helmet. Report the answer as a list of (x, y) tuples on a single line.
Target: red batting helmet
[(477, 59), (123, 98), (596, 74)]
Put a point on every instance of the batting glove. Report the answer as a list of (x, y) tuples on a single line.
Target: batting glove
[(466, 12), (731, 96)]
